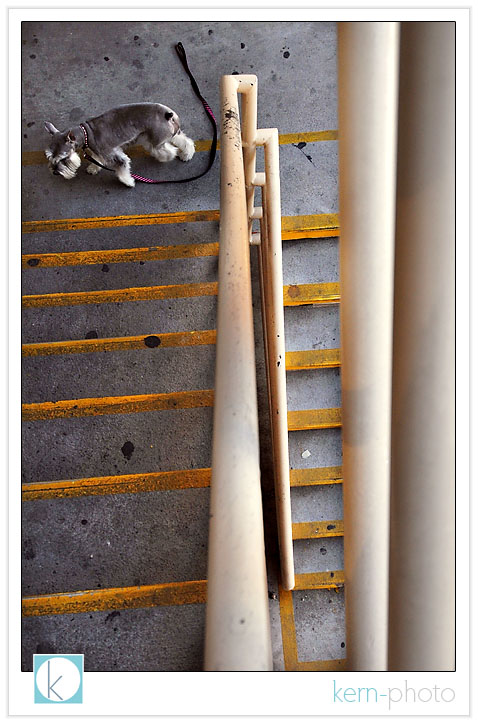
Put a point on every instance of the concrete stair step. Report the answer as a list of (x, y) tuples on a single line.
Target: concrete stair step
[(103, 542), (84, 447), (118, 319), (160, 369), (128, 274), (141, 639)]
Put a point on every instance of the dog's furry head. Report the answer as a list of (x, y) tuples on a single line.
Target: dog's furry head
[(61, 153)]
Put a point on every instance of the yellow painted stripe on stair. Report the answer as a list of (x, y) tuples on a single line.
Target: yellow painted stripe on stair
[(33, 158), (92, 406), (109, 222), (132, 294), (308, 137), (118, 484), (289, 641), (107, 599), (316, 476), (116, 256), (288, 627), (293, 227), (310, 226), (317, 529), (299, 294), (327, 665), (113, 344), (315, 581), (312, 359), (294, 295), (314, 419)]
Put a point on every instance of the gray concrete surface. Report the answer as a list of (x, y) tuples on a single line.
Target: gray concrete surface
[(114, 540), (320, 622), (86, 447), (75, 73), (134, 372), (148, 639)]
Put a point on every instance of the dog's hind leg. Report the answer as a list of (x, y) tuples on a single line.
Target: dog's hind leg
[(122, 164), (157, 147), (164, 153), (184, 145)]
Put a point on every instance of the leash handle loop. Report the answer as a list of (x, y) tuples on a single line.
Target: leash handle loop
[(212, 153)]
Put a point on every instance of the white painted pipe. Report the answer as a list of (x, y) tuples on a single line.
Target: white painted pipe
[(271, 253), (422, 550), (237, 618), (368, 88)]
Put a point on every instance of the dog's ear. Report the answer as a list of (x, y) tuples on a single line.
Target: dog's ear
[(71, 137), (50, 128)]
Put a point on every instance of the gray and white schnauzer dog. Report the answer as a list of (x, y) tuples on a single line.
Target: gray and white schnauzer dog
[(154, 126)]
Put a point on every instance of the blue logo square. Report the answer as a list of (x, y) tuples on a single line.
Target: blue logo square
[(58, 678)]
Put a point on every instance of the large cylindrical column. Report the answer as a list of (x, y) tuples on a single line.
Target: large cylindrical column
[(422, 552), (237, 619), (368, 89)]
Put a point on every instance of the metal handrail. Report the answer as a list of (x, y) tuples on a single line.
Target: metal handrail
[(237, 621), (272, 303), (269, 243), (237, 616)]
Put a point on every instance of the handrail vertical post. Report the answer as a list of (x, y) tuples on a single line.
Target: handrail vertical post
[(249, 131)]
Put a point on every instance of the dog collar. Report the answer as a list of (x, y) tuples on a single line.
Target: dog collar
[(88, 158), (85, 134)]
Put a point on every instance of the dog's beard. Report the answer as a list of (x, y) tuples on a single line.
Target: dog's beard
[(68, 167)]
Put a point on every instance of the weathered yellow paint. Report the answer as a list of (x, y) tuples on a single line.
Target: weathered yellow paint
[(294, 295), (92, 406), (316, 476), (34, 158), (115, 256), (107, 599), (113, 344), (322, 579), (102, 222), (317, 529), (326, 665), (308, 137), (299, 294), (284, 139), (293, 227), (117, 484), (310, 226), (314, 419), (133, 294), (289, 641), (312, 359)]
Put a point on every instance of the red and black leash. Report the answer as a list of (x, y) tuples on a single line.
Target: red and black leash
[(212, 153)]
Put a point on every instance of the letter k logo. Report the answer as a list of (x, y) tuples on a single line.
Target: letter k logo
[(58, 678), (50, 686)]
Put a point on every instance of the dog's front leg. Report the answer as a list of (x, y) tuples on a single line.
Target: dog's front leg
[(122, 165), (92, 168)]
